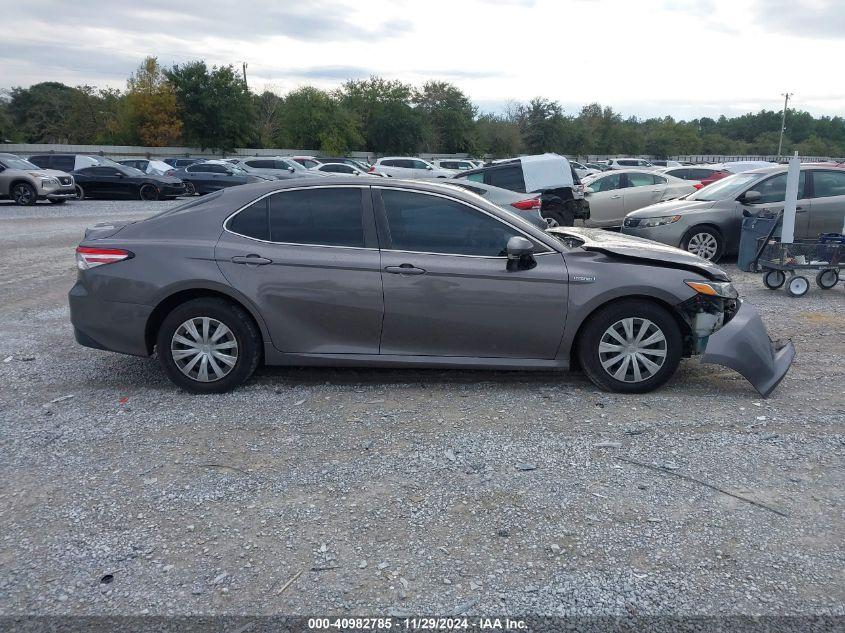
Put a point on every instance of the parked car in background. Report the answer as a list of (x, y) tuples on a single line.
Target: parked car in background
[(582, 170), (708, 222), (629, 163), (525, 205), (550, 175), (68, 162), (276, 167), (309, 162), (26, 183), (665, 163), (598, 166), (120, 181), (700, 175), (179, 163), (341, 168), (457, 164), (614, 194), (149, 166), (354, 162), (402, 274), (206, 177), (408, 167)]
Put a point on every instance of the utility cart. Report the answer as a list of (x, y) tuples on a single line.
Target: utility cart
[(784, 263)]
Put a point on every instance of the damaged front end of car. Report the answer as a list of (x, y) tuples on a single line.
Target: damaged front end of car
[(724, 330)]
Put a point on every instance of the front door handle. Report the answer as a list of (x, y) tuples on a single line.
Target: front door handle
[(616, 197), (251, 260), (404, 269), (800, 209)]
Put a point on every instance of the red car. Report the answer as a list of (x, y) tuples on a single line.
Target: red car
[(703, 174)]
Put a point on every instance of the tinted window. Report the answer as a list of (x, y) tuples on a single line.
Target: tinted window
[(479, 177), (406, 163), (261, 164), (608, 183), (40, 161), (338, 169), (699, 174), (63, 163), (101, 171), (627, 163), (389, 163), (252, 221), (418, 164), (774, 189), (684, 173), (509, 177), (329, 217), (828, 183), (89, 171), (431, 224)]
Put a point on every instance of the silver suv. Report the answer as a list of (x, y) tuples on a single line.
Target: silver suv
[(26, 183)]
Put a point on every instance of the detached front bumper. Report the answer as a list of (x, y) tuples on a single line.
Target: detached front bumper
[(744, 346)]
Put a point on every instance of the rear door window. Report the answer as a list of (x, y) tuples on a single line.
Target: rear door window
[(639, 180), (827, 184), (606, 183), (509, 177), (252, 221), (324, 217), (63, 163)]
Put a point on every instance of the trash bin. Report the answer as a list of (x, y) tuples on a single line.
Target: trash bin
[(755, 227)]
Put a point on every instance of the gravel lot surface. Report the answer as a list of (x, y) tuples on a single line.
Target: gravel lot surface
[(405, 491)]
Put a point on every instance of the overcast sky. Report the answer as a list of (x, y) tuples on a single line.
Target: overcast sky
[(686, 58)]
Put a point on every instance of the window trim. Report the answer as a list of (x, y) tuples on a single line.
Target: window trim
[(364, 208), (380, 210)]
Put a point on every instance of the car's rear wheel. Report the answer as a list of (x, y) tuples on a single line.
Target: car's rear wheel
[(558, 214), (190, 188), (208, 345), (148, 192), (80, 192), (24, 194), (704, 241), (631, 346)]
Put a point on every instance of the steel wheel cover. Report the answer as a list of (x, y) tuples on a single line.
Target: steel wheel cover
[(703, 244), (204, 349), (632, 349)]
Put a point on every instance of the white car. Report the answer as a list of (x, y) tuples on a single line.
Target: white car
[(407, 167), (582, 170), (458, 164), (614, 194), (629, 163), (666, 163), (309, 162), (342, 168)]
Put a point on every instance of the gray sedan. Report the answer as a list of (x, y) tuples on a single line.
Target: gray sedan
[(369, 272), (708, 222)]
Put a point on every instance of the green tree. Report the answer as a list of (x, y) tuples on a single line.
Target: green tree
[(151, 113), (450, 115), (310, 118), (216, 107), (541, 123), (498, 136)]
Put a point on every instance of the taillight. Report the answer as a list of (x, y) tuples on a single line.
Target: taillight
[(528, 205), (87, 257), (698, 185), (372, 169)]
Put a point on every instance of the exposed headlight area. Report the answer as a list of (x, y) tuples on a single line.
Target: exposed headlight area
[(714, 305), (723, 289), (645, 223)]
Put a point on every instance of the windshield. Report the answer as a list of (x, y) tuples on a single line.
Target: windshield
[(729, 187), (17, 163), (129, 171)]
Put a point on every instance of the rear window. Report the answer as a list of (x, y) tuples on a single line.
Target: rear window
[(509, 177)]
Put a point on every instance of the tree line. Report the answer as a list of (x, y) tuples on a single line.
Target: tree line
[(212, 108)]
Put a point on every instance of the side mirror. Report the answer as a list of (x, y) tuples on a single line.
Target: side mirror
[(519, 251), (750, 197), (588, 191), (429, 168), (291, 169)]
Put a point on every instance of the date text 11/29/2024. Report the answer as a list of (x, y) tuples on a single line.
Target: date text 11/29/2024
[(416, 624)]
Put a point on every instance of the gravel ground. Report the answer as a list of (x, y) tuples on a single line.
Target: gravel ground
[(405, 491)]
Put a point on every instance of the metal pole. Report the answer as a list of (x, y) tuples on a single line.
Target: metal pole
[(247, 86), (786, 96)]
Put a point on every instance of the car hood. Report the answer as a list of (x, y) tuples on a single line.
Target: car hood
[(642, 250), (671, 207), (37, 173), (170, 180)]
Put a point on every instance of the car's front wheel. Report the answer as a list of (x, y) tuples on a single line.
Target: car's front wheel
[(631, 346), (208, 345), (80, 192), (24, 194), (190, 188), (148, 192), (704, 241)]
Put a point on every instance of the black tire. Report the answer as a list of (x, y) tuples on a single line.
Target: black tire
[(190, 188), (827, 278), (773, 279), (590, 352), (558, 214), (57, 200), (798, 286), (240, 325), (24, 194), (148, 192), (80, 192), (699, 239)]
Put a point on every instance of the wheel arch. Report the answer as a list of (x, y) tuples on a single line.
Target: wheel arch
[(21, 181), (179, 296), (683, 326)]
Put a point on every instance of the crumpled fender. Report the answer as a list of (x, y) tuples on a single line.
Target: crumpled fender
[(744, 346)]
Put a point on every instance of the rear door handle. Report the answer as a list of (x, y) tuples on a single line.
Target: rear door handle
[(616, 197), (405, 269), (251, 260)]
